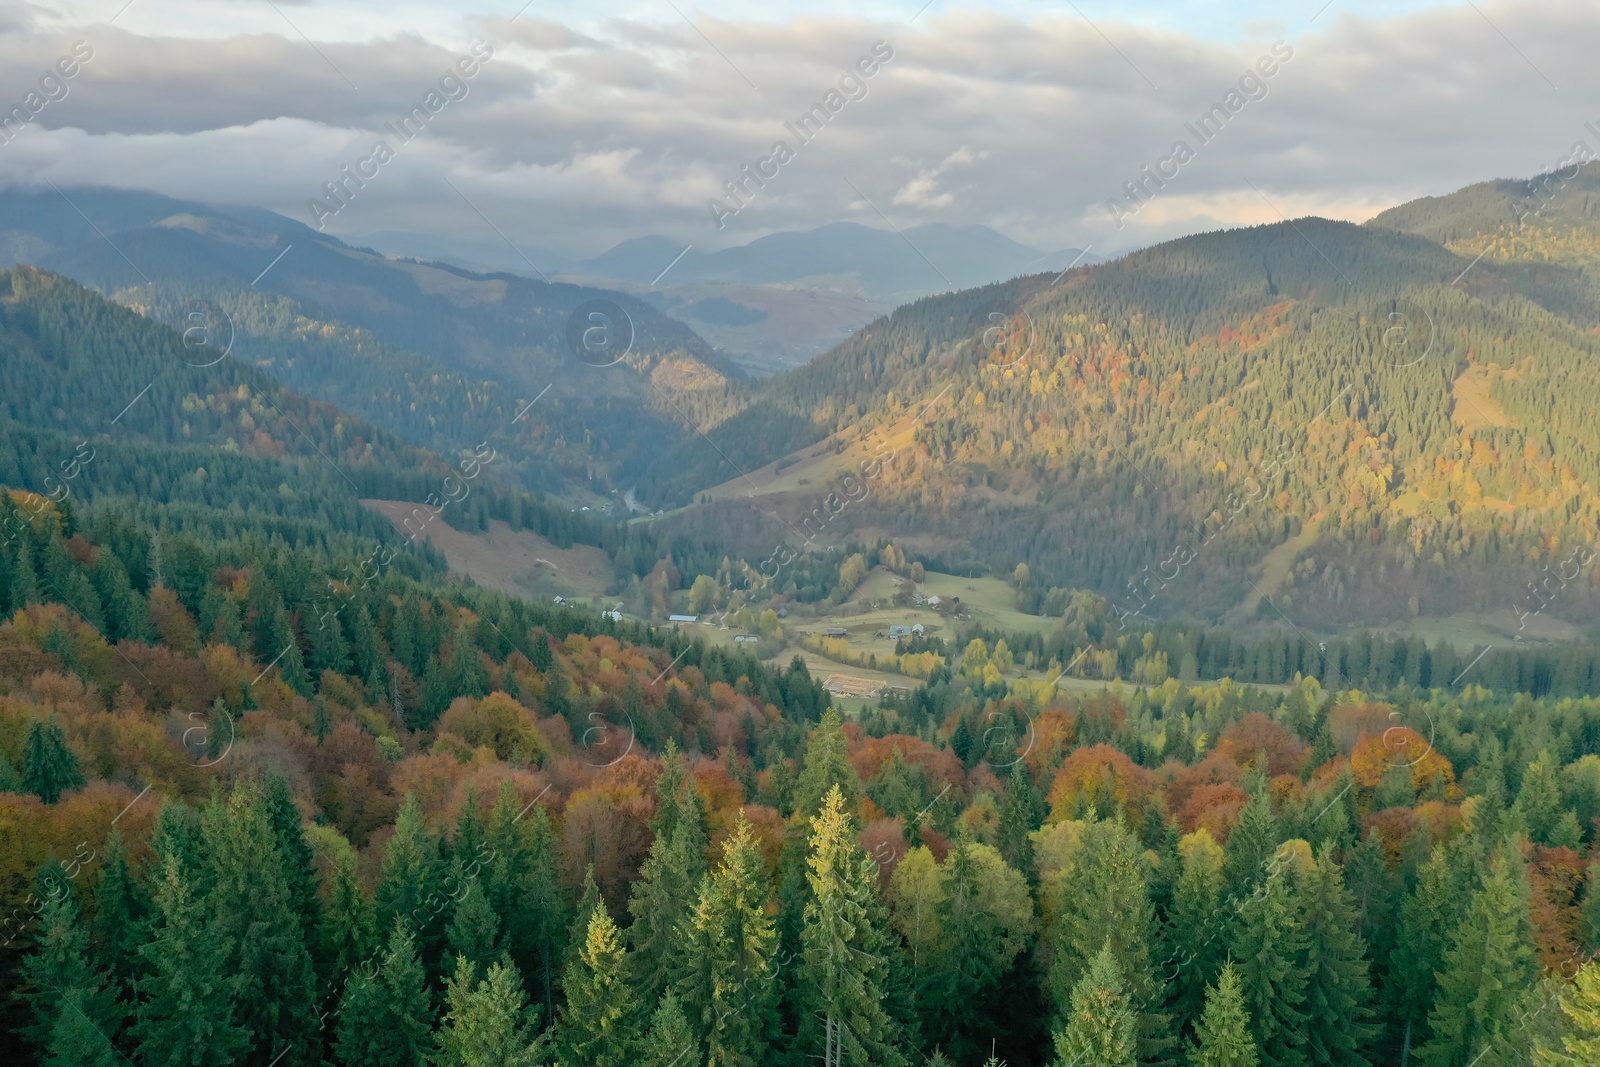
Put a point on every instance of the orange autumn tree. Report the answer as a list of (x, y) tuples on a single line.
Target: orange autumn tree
[(1103, 778), (1376, 754)]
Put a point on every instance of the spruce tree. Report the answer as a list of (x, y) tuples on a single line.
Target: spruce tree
[(1270, 945), (474, 931), (408, 889), (348, 931), (670, 1042), (386, 1018), (1490, 965), (488, 1023), (842, 979), (1337, 986), (1251, 845), (1105, 896), (294, 852), (545, 909), (76, 1016), (827, 766), (48, 766), (187, 1012), (1198, 928), (662, 898), (1101, 1029), (253, 917), (729, 990), (1019, 817), (597, 1022), (122, 915), (1222, 1037)]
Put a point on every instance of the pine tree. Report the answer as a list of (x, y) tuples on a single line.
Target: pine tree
[(386, 1018), (488, 1023), (727, 946), (187, 1010), (598, 1019), (971, 955), (1490, 964), (75, 1012), (1270, 945), (1101, 1029), (1337, 986), (670, 1042), (1222, 1037), (48, 765), (841, 980)]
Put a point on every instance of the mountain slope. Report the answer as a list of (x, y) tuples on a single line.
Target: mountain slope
[(314, 307), (1190, 407)]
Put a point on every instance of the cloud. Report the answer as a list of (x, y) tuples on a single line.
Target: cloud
[(580, 134)]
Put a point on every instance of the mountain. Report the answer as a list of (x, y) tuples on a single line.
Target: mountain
[(1310, 421), (448, 357), (881, 265)]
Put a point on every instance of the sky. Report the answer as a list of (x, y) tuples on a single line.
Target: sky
[(591, 123)]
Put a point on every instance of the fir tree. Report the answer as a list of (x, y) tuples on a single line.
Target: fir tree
[(1270, 946), (1222, 1037), (1101, 1029), (253, 917), (348, 930), (827, 766), (48, 765), (1198, 926), (1336, 985), (598, 1019), (661, 899), (75, 1012), (1490, 964), (386, 1018), (670, 1042), (187, 1009), (488, 1023), (729, 991), (474, 931), (841, 980)]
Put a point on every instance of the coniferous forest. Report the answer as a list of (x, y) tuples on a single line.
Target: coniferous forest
[(276, 786)]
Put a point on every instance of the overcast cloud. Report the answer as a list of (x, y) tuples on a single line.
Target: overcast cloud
[(591, 125)]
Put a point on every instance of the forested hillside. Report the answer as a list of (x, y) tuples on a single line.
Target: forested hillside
[(275, 790), (1421, 424), (444, 357)]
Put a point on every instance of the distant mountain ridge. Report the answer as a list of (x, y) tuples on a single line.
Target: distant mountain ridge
[(878, 264)]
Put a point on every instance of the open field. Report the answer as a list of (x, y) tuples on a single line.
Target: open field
[(516, 562)]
